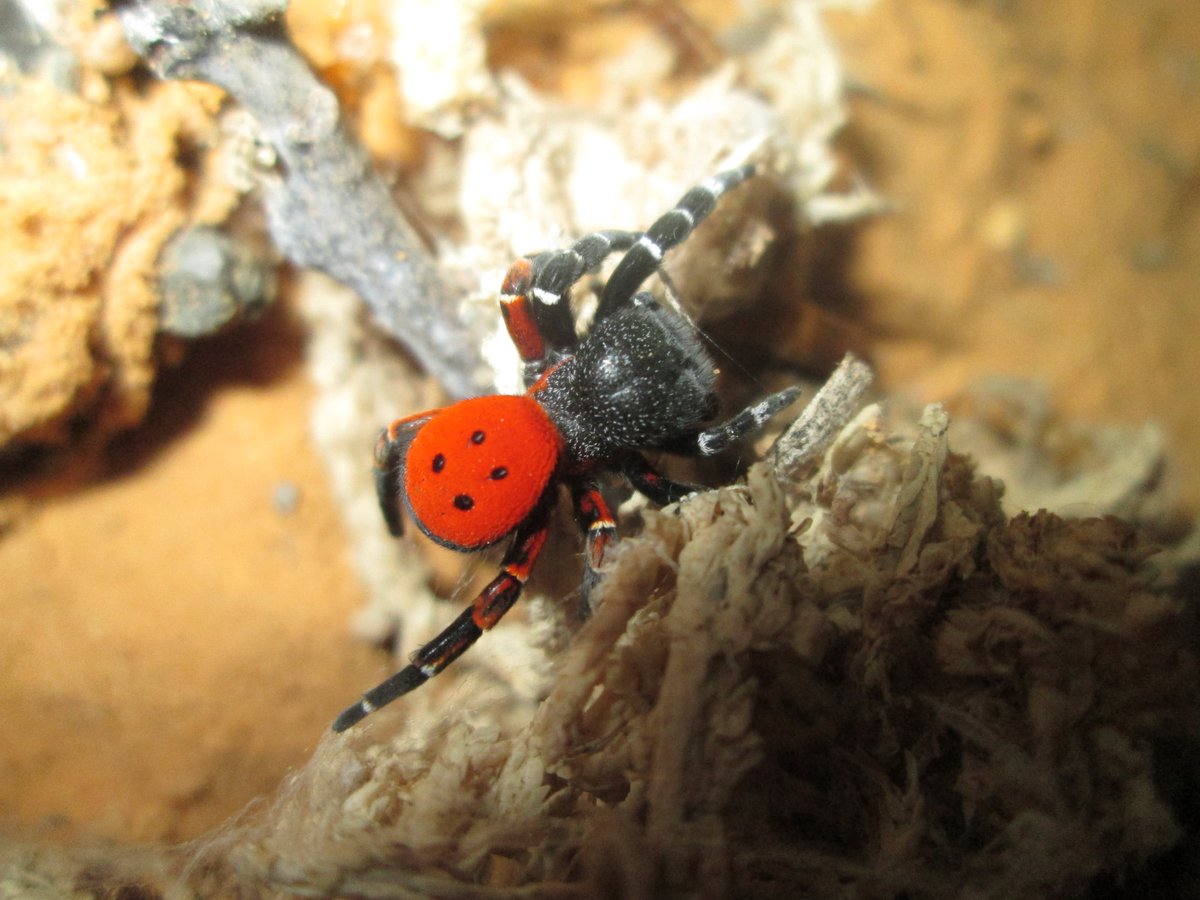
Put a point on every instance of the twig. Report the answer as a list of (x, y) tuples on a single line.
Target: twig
[(327, 208), (831, 408)]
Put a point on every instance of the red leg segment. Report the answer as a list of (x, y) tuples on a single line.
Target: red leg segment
[(600, 532), (517, 309)]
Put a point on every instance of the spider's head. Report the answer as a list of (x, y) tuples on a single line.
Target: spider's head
[(475, 470)]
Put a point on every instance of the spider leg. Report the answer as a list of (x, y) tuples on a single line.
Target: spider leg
[(555, 272), (488, 608), (752, 418), (534, 298), (646, 255), (600, 530), (389, 453), (648, 480), (520, 317)]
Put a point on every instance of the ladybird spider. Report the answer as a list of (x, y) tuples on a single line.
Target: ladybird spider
[(479, 470)]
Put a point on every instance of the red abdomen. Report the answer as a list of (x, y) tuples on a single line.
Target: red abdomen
[(478, 468)]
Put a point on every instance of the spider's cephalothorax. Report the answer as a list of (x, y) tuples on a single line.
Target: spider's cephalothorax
[(475, 472)]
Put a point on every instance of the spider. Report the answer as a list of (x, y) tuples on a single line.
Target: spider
[(482, 469)]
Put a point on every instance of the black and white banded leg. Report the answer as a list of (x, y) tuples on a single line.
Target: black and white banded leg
[(557, 271), (487, 609), (535, 297), (714, 440), (647, 252)]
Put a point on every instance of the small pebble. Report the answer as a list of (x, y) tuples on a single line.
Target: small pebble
[(207, 280), (286, 497)]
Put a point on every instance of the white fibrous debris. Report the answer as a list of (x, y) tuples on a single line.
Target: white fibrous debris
[(881, 601), (439, 51)]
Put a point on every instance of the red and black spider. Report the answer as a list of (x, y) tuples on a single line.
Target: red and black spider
[(482, 469)]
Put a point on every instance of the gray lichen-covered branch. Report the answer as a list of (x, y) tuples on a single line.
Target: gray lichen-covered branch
[(327, 207), (830, 410)]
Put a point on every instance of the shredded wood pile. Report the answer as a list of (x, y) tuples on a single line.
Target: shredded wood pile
[(863, 680)]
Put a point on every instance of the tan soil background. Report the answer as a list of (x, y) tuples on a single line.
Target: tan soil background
[(175, 638)]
